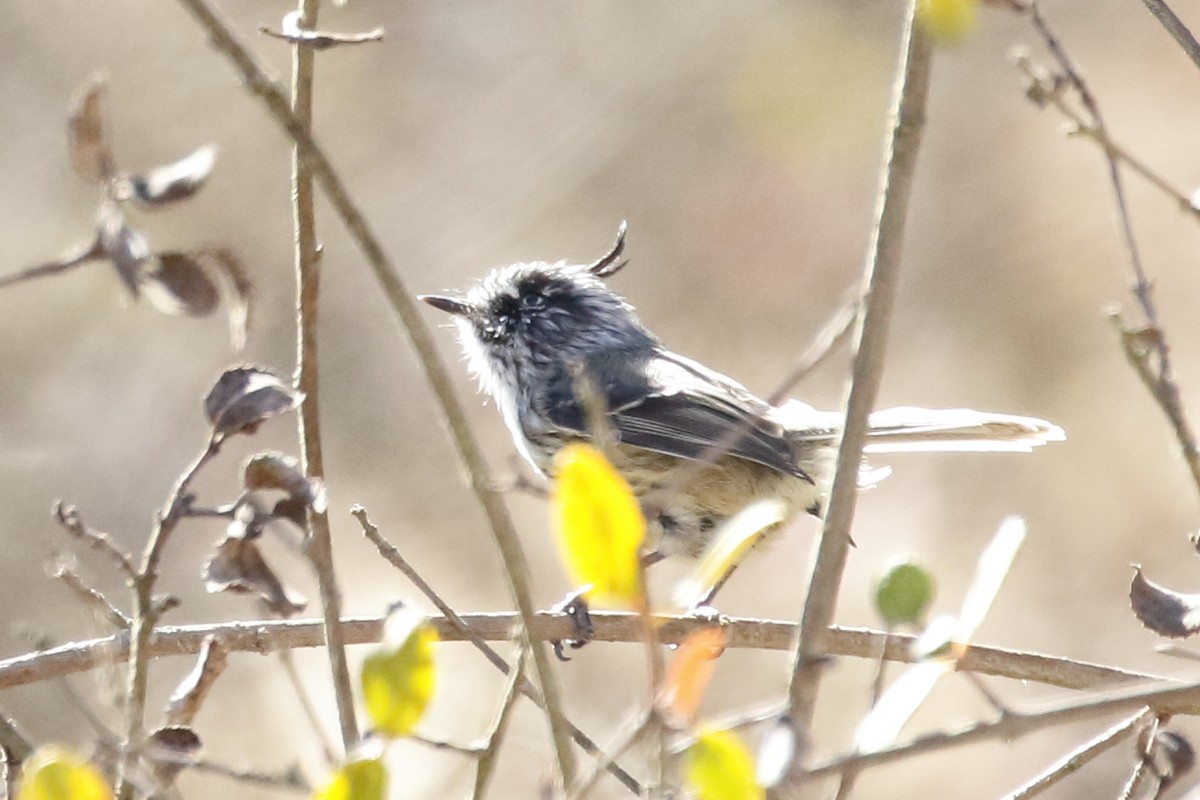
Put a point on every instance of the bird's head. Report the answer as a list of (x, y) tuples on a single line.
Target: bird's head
[(524, 320)]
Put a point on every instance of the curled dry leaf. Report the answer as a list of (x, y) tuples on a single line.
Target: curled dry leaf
[(266, 471), (1163, 610), (171, 749), (238, 566), (195, 283), (90, 156), (294, 510), (125, 247), (178, 284), (172, 182), (245, 396), (1173, 757)]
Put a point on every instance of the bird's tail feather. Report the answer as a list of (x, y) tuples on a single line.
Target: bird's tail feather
[(910, 429)]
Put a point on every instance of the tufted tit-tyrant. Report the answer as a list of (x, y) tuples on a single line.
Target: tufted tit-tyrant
[(529, 330)]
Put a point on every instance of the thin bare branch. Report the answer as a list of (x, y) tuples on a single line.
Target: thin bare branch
[(15, 744), (319, 543), (1086, 752), (516, 567), (1146, 345), (1045, 90), (394, 557), (639, 728), (301, 36), (287, 661), (879, 288), (1174, 25), (470, 750), (77, 258), (487, 759), (265, 636), (71, 521), (146, 612), (1010, 726), (92, 597), (291, 780)]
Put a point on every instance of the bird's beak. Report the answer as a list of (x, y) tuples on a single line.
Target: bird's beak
[(451, 305)]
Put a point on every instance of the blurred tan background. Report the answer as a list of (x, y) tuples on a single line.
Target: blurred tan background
[(742, 143)]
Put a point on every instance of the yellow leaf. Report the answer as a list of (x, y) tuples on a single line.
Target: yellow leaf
[(360, 779), (719, 767), (690, 672), (398, 678), (948, 21), (599, 525), (54, 772)]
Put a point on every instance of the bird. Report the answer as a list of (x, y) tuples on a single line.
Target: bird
[(556, 349)]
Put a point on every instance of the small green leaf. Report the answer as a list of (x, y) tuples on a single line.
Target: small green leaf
[(360, 779), (903, 593), (399, 677), (719, 767)]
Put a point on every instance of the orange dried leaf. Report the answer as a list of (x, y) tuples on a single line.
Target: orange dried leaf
[(691, 671)]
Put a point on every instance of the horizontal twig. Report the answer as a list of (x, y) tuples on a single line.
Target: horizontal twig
[(263, 636), (319, 40), (1081, 755), (1161, 696)]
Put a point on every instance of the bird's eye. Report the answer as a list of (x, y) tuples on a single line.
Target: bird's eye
[(533, 300)]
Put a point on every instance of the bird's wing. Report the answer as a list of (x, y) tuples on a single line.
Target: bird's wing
[(673, 405)]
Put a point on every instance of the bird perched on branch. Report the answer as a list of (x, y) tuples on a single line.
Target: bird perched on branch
[(549, 340)]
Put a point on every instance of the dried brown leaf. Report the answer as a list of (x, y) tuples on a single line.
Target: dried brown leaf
[(172, 182), (90, 156), (245, 396), (266, 471), (178, 284), (294, 510), (171, 749), (238, 566), (1163, 610)]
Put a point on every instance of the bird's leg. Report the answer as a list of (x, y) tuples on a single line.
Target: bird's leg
[(706, 600), (575, 606)]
